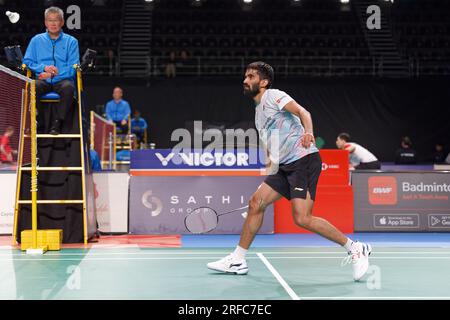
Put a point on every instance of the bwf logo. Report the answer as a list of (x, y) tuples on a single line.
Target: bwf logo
[(382, 190)]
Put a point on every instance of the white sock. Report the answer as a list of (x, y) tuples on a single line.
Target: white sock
[(240, 252), (348, 245)]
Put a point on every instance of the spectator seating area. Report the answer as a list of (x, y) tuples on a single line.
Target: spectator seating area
[(309, 37), (220, 36), (422, 30)]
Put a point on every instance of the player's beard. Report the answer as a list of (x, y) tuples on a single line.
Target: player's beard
[(251, 91)]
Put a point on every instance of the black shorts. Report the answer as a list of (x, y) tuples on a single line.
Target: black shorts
[(374, 165), (294, 179)]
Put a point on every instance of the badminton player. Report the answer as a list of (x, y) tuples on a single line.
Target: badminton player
[(299, 167)]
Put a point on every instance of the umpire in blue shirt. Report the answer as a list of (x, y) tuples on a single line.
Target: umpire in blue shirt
[(118, 110), (51, 56)]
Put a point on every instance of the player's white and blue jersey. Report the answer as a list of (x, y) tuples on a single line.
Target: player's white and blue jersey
[(280, 130)]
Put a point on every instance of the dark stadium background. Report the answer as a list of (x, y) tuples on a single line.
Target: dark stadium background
[(377, 88)]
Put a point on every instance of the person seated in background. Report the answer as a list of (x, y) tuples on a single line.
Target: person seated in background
[(138, 126), (406, 154), (170, 67), (439, 154), (111, 62), (118, 110), (51, 56), (185, 65), (6, 152), (358, 154)]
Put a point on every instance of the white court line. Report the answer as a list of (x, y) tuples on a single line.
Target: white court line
[(90, 253), (113, 246), (86, 258), (275, 273), (117, 259), (375, 298), (343, 252), (371, 257)]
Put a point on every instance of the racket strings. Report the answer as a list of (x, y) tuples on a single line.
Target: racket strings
[(205, 219), (201, 220)]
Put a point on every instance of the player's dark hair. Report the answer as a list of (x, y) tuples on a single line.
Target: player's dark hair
[(265, 71), (344, 136)]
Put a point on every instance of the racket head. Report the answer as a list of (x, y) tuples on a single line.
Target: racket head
[(201, 220)]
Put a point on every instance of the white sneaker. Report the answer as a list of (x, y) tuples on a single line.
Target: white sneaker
[(229, 264), (359, 258)]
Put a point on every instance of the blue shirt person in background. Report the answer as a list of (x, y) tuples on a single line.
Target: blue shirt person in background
[(51, 56), (138, 126), (118, 110)]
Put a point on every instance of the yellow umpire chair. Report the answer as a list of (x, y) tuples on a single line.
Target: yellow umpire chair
[(51, 239)]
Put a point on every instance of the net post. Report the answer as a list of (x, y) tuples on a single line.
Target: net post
[(110, 150), (83, 179), (115, 147), (34, 184), (20, 157), (28, 71), (92, 129)]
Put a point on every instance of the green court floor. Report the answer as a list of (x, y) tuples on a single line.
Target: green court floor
[(175, 274)]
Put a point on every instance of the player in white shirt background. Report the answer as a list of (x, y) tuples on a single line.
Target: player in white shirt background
[(360, 157)]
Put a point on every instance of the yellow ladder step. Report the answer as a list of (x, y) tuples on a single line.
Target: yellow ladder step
[(120, 147), (52, 201), (53, 168), (54, 136)]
